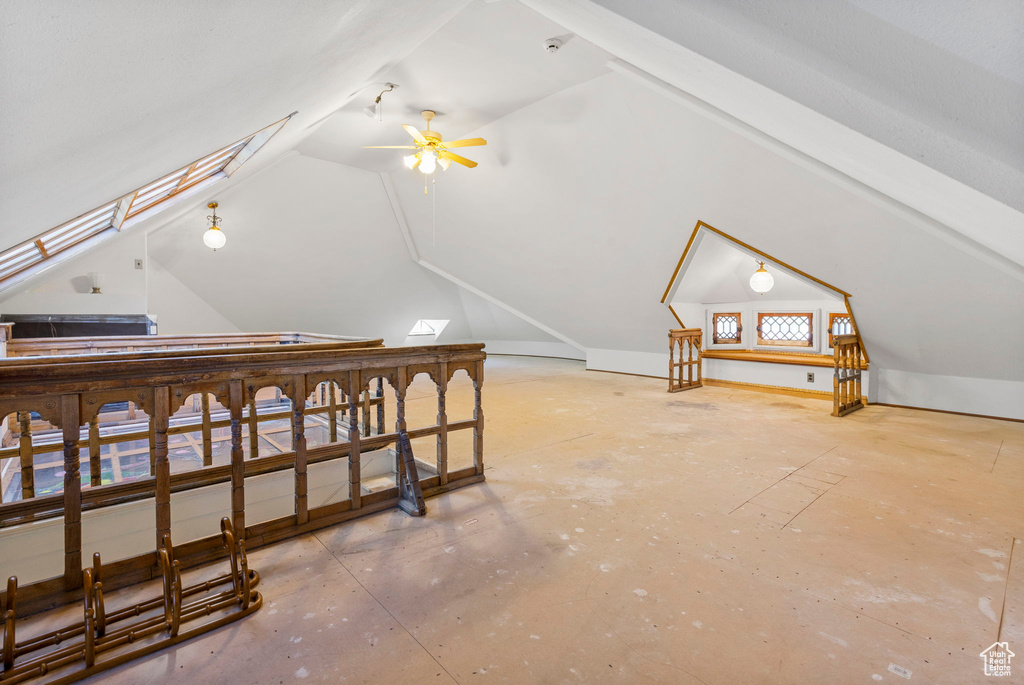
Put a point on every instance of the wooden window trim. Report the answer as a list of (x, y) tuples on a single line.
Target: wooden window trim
[(786, 343), (715, 340)]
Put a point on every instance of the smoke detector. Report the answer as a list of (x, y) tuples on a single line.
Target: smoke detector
[(552, 44)]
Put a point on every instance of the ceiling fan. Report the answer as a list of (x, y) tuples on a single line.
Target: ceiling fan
[(431, 150)]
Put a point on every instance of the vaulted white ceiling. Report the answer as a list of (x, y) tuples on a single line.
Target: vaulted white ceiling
[(834, 135)]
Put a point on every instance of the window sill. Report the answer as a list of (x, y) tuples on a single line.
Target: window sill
[(772, 357)]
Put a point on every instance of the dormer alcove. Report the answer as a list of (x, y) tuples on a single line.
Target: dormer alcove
[(778, 340)]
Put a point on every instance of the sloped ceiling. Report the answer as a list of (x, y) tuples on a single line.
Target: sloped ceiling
[(584, 197), (100, 98), (942, 82), (719, 271)]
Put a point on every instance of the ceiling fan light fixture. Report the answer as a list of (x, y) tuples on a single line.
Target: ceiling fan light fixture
[(410, 161), (428, 161), (445, 163)]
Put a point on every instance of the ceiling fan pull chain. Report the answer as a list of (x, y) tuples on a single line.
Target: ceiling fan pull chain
[(433, 214)]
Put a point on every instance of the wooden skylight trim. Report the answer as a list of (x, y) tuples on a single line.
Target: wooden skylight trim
[(27, 258)]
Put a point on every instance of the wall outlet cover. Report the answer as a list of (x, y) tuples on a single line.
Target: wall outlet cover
[(810, 378)]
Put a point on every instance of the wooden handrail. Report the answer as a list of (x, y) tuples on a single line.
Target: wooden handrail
[(68, 393), (24, 347)]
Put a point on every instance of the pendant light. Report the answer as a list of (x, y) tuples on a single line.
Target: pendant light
[(762, 281), (214, 237)]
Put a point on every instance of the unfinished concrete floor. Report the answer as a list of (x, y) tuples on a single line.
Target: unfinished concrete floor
[(626, 535)]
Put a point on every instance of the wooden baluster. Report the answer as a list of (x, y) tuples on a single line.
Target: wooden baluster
[(160, 420), (478, 418), (237, 459), (835, 378), (70, 425), (299, 447), (380, 405), (355, 493), (442, 422), (700, 360), (671, 361), (402, 379), (366, 412), (28, 478), (95, 474), (207, 431), (254, 427), (332, 411), (152, 448), (858, 365)]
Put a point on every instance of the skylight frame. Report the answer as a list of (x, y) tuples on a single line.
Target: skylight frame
[(28, 257)]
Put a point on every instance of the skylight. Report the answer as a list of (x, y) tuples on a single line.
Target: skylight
[(429, 327), (21, 261)]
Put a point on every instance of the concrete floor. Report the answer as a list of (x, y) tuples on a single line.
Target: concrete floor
[(626, 535)]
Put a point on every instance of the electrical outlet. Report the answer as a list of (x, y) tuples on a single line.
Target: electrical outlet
[(810, 378), (138, 263)]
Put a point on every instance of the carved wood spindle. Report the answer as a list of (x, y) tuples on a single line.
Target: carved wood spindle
[(442, 423), (478, 418), (857, 357), (160, 420), (671, 362), (380, 405), (332, 411), (237, 459), (95, 464), (254, 427), (207, 431), (299, 447), (152, 448), (353, 436), (28, 478), (70, 425), (402, 384), (366, 412)]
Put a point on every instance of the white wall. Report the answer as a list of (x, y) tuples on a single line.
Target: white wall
[(179, 310), (583, 239), (65, 287)]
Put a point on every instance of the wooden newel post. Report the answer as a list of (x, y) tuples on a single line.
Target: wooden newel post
[(70, 414), (846, 381), (299, 446), (686, 373), (28, 487), (353, 436), (236, 402), (442, 423), (160, 420), (478, 418), (402, 384)]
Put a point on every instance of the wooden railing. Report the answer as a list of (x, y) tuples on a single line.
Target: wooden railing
[(684, 374), (68, 393), (846, 385), (33, 347)]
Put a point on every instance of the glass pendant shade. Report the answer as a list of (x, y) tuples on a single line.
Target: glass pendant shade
[(214, 238), (428, 161), (444, 163), (410, 161), (762, 281)]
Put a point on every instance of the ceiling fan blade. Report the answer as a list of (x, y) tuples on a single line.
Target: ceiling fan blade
[(456, 158), (466, 142), (415, 133), (395, 147)]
